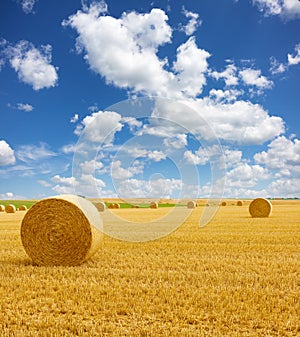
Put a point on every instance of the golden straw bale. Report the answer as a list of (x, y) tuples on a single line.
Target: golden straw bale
[(239, 203), (23, 208), (61, 230), (153, 204), (100, 206), (223, 203), (191, 204), (260, 208), (117, 206), (10, 208), (2, 208)]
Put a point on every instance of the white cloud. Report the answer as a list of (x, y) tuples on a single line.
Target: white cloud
[(293, 60), (7, 154), (285, 187), (190, 67), (241, 122), (225, 96), (120, 173), (156, 188), (100, 127), (24, 107), (74, 119), (32, 65), (229, 75), (44, 183), (254, 77), (68, 148), (124, 52), (90, 166), (276, 67), (283, 154), (177, 142), (27, 5), (28, 153), (64, 185), (193, 23), (245, 175), (287, 9)]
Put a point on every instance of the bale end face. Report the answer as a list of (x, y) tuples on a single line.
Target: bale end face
[(260, 208), (10, 208), (191, 204), (153, 204), (239, 203), (2, 208), (62, 230)]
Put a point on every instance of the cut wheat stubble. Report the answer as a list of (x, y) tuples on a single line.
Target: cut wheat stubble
[(62, 230)]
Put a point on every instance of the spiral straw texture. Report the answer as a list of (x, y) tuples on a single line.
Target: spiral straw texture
[(100, 206), (10, 208), (191, 204), (260, 208), (62, 230)]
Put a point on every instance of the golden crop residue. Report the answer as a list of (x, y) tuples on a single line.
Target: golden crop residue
[(238, 276)]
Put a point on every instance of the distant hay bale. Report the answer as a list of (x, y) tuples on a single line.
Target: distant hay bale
[(23, 208), (100, 206), (239, 203), (223, 203), (61, 230), (191, 204), (113, 206), (10, 208), (153, 204), (260, 208), (2, 208)]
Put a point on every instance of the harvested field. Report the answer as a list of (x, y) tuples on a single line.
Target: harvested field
[(238, 276)]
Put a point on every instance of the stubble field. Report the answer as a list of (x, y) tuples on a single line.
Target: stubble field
[(238, 276)]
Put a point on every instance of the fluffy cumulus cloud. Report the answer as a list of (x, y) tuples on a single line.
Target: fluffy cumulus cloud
[(229, 75), (100, 127), (7, 154), (129, 58), (294, 59), (241, 122), (32, 65), (287, 9), (25, 107), (254, 77)]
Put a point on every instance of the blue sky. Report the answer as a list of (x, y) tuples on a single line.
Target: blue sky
[(209, 94)]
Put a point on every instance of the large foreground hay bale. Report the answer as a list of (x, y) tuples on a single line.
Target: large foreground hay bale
[(191, 204), (239, 203), (100, 206), (153, 204), (61, 230), (10, 208), (2, 208), (23, 208), (260, 208)]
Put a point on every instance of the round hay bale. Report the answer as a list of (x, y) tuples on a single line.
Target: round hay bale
[(117, 206), (100, 206), (2, 208), (191, 204), (223, 203), (260, 208), (23, 208), (239, 203), (10, 208), (61, 230), (153, 204)]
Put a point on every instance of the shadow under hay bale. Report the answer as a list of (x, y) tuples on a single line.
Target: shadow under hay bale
[(260, 208), (62, 230), (10, 208), (191, 204), (153, 204)]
